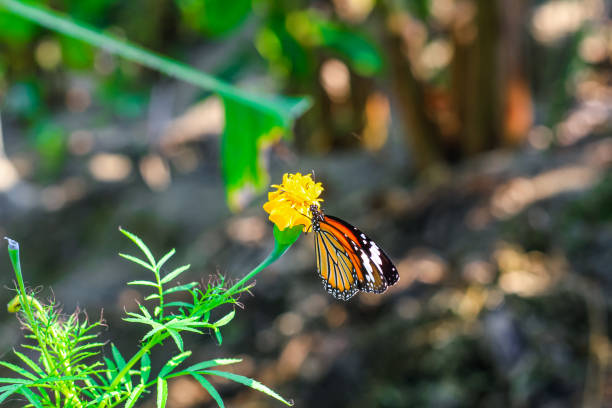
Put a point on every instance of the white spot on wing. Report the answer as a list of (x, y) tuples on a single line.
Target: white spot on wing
[(375, 255)]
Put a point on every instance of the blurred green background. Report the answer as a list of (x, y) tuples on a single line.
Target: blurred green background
[(470, 138)]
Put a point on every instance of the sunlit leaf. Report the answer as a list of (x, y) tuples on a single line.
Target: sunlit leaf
[(162, 392), (209, 387), (173, 363), (247, 134), (249, 382)]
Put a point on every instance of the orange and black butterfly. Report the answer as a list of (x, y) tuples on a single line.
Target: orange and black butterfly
[(347, 260)]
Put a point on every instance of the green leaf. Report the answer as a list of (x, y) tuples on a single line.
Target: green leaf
[(120, 361), (209, 387), (165, 259), (30, 363), (225, 319), (288, 236), (174, 273), (137, 260), (212, 363), (180, 288), (145, 368), (33, 398), (287, 108), (11, 380), (247, 133), (19, 370), (9, 390), (152, 296), (249, 382), (179, 304), (112, 369), (177, 338), (173, 363), (129, 403), (218, 336), (143, 283), (162, 392), (145, 250)]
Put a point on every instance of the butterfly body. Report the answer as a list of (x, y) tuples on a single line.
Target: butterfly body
[(347, 260)]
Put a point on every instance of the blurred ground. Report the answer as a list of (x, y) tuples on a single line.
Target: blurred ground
[(503, 298)]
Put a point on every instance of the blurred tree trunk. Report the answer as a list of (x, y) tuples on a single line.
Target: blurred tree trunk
[(422, 133), (479, 109), (485, 101)]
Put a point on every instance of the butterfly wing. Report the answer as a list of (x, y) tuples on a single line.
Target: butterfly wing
[(358, 258), (335, 266)]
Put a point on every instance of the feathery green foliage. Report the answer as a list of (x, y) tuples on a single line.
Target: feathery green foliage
[(69, 368)]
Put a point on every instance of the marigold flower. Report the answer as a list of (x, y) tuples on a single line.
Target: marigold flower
[(289, 205)]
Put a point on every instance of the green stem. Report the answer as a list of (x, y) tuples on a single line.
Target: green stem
[(135, 359), (286, 108), (277, 252), (27, 302)]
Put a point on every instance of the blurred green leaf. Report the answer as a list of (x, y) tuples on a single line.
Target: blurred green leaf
[(90, 10), (75, 53), (285, 54), (252, 121), (16, 31), (214, 17), (49, 141), (247, 133), (361, 53)]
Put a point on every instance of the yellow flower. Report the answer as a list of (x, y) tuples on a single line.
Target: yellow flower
[(289, 205)]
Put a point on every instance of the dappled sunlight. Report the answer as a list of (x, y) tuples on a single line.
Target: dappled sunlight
[(155, 172), (556, 19), (205, 118), (110, 167), (354, 11), (470, 138), (336, 80), (515, 195), (377, 120), (293, 355), (8, 174), (527, 273), (289, 324), (48, 54), (583, 121), (423, 265), (435, 56), (478, 271)]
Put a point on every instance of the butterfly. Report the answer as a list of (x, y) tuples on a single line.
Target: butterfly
[(347, 260)]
